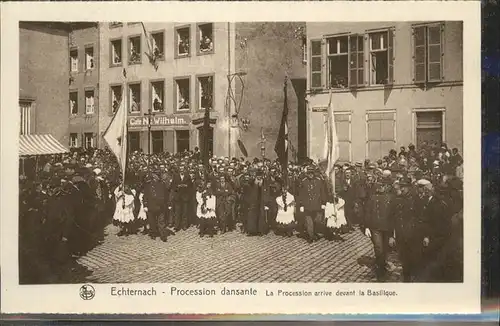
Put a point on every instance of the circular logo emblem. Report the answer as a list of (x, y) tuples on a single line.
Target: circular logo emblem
[(87, 292)]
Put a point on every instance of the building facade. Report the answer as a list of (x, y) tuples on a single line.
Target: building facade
[(192, 64), (83, 85), (170, 77), (43, 79), (390, 84)]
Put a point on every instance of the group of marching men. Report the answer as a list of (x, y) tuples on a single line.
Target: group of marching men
[(414, 199)]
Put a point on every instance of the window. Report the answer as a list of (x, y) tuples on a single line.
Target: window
[(73, 140), (73, 102), (73, 55), (116, 97), (182, 94), (182, 36), (134, 50), (157, 139), (343, 127), (206, 38), (158, 45), (89, 140), (25, 110), (89, 102), (134, 103), (428, 53), (316, 65), (182, 137), (134, 141), (205, 92), (89, 58), (381, 133), (429, 127), (304, 50), (157, 95), (116, 52), (381, 57), (345, 61)]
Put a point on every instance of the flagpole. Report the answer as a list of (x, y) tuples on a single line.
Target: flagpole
[(285, 165), (124, 140)]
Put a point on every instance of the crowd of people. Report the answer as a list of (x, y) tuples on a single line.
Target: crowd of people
[(411, 200)]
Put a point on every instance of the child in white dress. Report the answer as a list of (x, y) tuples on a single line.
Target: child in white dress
[(285, 220), (142, 216), (205, 211), (124, 210), (335, 218)]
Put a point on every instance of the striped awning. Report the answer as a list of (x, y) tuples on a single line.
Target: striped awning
[(40, 145)]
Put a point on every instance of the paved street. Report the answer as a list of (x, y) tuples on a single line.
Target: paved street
[(231, 257)]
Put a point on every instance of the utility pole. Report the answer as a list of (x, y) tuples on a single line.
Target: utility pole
[(262, 144), (149, 115)]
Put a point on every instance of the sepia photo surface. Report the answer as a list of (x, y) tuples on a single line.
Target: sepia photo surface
[(282, 163)]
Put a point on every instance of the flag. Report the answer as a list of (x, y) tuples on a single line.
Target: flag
[(206, 130), (151, 54), (116, 135), (281, 147), (331, 147)]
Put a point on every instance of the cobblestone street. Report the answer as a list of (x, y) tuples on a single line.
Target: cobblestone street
[(231, 257)]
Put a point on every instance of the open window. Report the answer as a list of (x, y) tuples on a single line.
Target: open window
[(134, 103), (89, 140), (182, 94), (89, 102), (206, 38), (73, 57), (158, 44), (205, 92), (73, 103), (345, 61), (116, 98), (116, 52), (158, 96), (73, 140), (182, 35), (89, 58), (134, 50)]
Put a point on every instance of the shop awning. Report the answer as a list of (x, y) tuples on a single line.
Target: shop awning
[(40, 145)]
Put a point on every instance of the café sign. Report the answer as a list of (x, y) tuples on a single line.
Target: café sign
[(160, 120)]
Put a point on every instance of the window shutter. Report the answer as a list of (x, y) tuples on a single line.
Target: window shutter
[(419, 54), (356, 61), (434, 53), (316, 65), (390, 55)]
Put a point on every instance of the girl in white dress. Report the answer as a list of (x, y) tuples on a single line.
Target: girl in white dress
[(142, 216), (124, 210), (285, 220), (335, 218), (205, 211)]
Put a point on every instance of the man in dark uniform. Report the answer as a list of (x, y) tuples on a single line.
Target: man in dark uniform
[(378, 226), (311, 201), (154, 203), (407, 233), (225, 198), (182, 191)]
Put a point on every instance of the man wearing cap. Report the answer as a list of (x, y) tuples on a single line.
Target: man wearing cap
[(407, 227), (154, 205), (311, 201), (378, 226), (182, 192)]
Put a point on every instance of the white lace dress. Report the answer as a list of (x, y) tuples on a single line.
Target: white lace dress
[(123, 214), (210, 206), (335, 214), (142, 213), (285, 217)]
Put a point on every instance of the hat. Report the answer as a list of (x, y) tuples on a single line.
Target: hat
[(411, 146), (372, 166), (359, 164), (97, 171), (386, 173), (423, 182), (379, 161), (88, 165)]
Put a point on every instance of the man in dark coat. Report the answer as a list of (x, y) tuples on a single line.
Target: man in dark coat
[(406, 223), (352, 191), (225, 199), (311, 201), (257, 197), (378, 226), (155, 196), (182, 190)]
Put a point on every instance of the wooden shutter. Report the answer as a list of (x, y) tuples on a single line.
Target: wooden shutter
[(356, 61), (390, 55), (419, 54), (435, 52), (381, 136), (343, 128), (316, 65)]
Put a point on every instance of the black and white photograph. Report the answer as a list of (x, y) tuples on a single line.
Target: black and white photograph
[(240, 152), (211, 151)]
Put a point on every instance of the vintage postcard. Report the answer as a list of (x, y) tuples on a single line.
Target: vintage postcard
[(241, 158)]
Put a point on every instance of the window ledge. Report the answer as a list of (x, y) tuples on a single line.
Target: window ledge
[(181, 56), (113, 65), (201, 53), (132, 63)]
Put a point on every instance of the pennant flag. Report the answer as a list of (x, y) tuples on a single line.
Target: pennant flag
[(281, 147), (206, 130), (331, 147), (116, 135), (151, 54)]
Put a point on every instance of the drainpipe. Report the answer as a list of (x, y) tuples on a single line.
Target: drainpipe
[(229, 74)]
